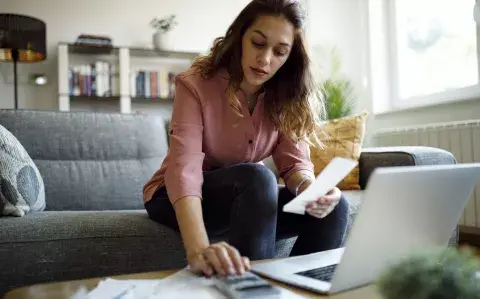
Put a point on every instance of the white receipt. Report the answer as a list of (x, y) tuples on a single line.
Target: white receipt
[(333, 174)]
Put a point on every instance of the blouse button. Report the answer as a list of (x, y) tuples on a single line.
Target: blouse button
[(250, 141)]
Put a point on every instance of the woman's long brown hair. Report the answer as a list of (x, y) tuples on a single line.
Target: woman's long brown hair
[(292, 99)]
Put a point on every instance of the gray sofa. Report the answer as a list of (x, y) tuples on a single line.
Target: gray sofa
[(94, 166)]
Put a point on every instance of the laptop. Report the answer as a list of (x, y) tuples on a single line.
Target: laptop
[(403, 210)]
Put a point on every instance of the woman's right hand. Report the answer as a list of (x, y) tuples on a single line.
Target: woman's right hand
[(219, 258)]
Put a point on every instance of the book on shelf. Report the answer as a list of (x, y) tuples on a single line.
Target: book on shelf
[(99, 78), (152, 84)]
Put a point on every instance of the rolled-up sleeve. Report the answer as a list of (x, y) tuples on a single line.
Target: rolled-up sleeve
[(290, 157), (184, 175)]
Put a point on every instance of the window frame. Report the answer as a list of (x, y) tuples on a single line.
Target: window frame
[(442, 97)]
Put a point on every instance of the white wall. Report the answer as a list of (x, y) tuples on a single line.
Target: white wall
[(125, 21), (344, 23), (341, 24), (462, 110), (338, 23)]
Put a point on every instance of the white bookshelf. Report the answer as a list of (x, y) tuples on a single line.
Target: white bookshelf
[(125, 61)]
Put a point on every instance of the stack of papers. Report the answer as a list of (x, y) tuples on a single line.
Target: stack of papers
[(183, 284)]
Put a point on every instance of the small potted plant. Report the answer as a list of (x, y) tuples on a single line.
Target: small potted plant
[(162, 38), (443, 274)]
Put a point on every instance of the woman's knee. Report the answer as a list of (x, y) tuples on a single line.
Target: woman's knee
[(258, 176), (259, 185)]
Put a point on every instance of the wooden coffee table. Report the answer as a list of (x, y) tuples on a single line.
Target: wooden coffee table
[(63, 290)]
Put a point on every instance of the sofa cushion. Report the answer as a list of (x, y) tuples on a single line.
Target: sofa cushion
[(90, 161), (21, 185), (53, 246), (342, 137), (76, 225)]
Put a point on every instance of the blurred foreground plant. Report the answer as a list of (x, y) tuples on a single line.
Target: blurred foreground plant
[(443, 274)]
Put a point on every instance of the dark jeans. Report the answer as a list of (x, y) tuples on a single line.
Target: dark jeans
[(246, 200)]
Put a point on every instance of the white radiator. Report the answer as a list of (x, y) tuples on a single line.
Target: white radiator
[(462, 139)]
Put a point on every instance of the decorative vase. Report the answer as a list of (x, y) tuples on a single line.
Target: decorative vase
[(163, 41)]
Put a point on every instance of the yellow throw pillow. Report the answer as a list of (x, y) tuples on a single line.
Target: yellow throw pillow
[(341, 137)]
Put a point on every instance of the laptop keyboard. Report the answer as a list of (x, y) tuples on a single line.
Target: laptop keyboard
[(322, 273)]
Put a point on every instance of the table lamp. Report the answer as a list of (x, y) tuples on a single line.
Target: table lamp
[(22, 39)]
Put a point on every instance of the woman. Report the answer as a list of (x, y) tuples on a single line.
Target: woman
[(250, 98)]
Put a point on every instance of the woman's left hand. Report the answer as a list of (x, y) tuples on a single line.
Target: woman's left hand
[(325, 204)]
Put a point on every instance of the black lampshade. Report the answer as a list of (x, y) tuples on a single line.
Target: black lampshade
[(24, 33)]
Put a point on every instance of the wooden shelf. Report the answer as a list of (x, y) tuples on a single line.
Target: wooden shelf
[(121, 101), (91, 50), (151, 100), (144, 52), (116, 99), (134, 51), (94, 98)]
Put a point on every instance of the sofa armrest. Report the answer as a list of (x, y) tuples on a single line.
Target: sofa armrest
[(374, 157)]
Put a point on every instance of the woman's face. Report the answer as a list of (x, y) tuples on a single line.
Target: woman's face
[(266, 46)]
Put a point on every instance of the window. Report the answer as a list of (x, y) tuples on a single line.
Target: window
[(433, 54)]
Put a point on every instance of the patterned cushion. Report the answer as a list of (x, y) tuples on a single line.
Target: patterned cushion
[(343, 138), (21, 185)]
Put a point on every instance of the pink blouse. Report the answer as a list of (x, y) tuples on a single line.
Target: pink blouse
[(205, 133)]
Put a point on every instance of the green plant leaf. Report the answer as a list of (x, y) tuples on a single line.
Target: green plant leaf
[(444, 274), (338, 97), (337, 91)]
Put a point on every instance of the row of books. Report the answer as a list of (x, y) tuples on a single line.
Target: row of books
[(98, 78), (152, 84), (101, 79)]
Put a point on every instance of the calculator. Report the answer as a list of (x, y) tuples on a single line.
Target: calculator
[(246, 286)]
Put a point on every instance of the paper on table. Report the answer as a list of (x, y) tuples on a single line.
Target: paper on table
[(333, 174), (183, 284), (121, 289)]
